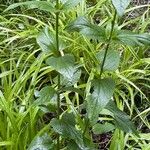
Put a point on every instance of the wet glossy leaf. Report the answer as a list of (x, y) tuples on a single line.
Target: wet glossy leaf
[(47, 42), (75, 79), (92, 31), (43, 142), (103, 128), (65, 82), (103, 91), (65, 65), (66, 127), (121, 5), (74, 146), (133, 39), (112, 60), (46, 95), (122, 121), (41, 5), (69, 4)]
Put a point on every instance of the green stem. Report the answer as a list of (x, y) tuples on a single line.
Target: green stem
[(57, 25), (86, 127), (104, 59), (58, 111), (108, 44), (57, 47)]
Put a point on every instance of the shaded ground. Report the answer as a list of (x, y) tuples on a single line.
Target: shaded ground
[(103, 140)]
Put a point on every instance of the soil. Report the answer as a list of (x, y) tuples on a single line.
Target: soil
[(103, 140)]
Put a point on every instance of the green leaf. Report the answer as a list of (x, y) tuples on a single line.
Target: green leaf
[(65, 65), (69, 118), (74, 146), (69, 4), (66, 127), (6, 73), (92, 31), (117, 140), (75, 79), (103, 128), (122, 121), (47, 42), (133, 39), (121, 5), (64, 81), (6, 143), (112, 59), (41, 5), (47, 95), (43, 142), (103, 91)]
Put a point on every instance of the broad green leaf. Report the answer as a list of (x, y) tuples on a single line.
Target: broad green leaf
[(133, 39), (43, 142), (121, 5), (103, 128), (47, 42), (103, 91), (122, 121), (69, 118), (65, 65), (69, 4), (46, 95), (74, 146), (92, 109), (41, 5), (95, 32), (112, 59), (74, 80), (83, 26), (66, 127)]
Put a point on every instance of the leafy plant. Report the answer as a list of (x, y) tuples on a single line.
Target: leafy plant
[(69, 82)]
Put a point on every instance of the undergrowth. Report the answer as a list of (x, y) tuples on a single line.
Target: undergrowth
[(74, 74)]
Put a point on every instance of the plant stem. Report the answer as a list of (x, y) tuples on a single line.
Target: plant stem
[(104, 59), (57, 25), (58, 111), (58, 82), (108, 44)]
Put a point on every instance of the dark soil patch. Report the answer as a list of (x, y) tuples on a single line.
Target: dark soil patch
[(103, 140)]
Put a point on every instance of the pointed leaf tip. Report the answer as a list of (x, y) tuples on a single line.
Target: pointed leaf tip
[(41, 5), (120, 6)]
